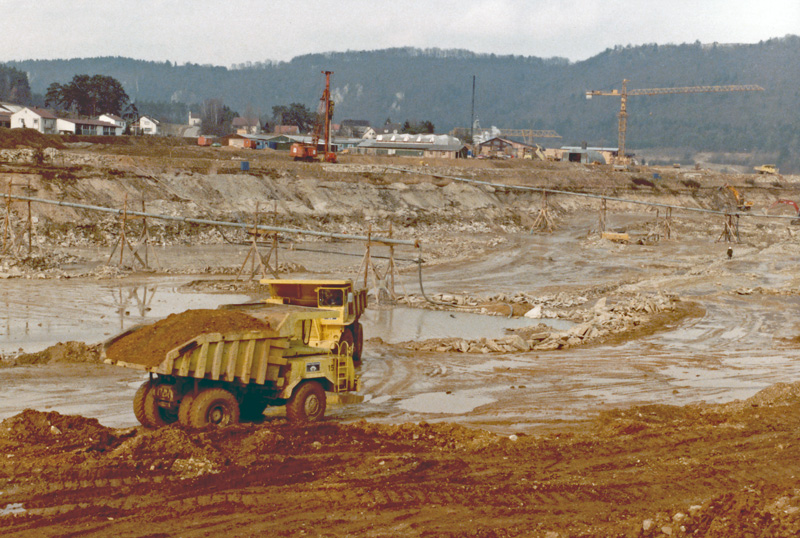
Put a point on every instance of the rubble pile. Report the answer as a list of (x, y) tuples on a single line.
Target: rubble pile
[(592, 325)]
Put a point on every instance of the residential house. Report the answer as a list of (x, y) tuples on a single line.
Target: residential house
[(504, 147), (246, 126), (34, 118), (354, 128), (116, 120), (87, 127), (286, 130), (148, 126), (389, 128), (194, 120), (6, 109)]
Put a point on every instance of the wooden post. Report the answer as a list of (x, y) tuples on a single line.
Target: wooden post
[(603, 207), (30, 221), (730, 229)]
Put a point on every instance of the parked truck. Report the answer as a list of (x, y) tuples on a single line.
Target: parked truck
[(217, 367)]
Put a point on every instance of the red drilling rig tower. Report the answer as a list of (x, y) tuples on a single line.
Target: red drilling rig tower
[(322, 130)]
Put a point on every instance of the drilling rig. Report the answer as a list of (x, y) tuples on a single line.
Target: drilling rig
[(623, 107), (322, 131)]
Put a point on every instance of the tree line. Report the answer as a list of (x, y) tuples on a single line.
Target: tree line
[(511, 91)]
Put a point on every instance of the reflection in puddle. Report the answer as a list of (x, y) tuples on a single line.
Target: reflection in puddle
[(35, 315), (402, 324)]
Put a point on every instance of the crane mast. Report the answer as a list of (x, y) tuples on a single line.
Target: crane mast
[(624, 93), (322, 130)]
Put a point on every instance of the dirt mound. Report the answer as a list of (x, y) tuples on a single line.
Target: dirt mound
[(62, 352), (28, 138), (35, 431), (699, 470), (149, 345)]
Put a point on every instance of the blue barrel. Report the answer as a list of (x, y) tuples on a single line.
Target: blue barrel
[(245, 166)]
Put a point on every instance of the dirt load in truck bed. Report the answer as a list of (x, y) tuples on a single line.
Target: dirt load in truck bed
[(149, 345)]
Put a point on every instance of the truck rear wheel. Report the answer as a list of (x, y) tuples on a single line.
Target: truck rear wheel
[(307, 403), (358, 333), (185, 408), (213, 407)]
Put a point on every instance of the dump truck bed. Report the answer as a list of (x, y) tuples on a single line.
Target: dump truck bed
[(240, 343)]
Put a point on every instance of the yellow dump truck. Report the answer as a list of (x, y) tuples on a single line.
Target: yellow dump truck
[(217, 367), (340, 298)]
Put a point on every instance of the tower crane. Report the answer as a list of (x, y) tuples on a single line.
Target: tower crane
[(624, 93)]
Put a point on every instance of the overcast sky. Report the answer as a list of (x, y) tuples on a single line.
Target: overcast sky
[(226, 32)]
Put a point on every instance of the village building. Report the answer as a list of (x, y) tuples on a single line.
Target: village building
[(498, 147), (587, 155), (147, 126), (194, 120), (353, 128), (246, 126), (86, 127), (286, 130), (116, 120), (34, 118), (408, 145)]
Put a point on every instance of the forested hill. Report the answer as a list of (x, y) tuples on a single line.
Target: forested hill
[(511, 91)]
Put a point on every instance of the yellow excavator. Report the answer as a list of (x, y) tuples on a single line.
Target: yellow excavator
[(741, 203)]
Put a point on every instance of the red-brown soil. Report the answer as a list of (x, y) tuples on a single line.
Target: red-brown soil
[(715, 471)]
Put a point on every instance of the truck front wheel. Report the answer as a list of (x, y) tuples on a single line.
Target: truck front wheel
[(155, 415), (213, 407), (307, 403), (139, 403)]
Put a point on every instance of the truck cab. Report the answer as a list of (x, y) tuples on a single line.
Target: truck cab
[(340, 297)]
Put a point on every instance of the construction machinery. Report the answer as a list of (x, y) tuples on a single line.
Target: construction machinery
[(219, 367), (624, 93), (336, 296), (741, 203), (790, 203), (322, 131), (766, 169)]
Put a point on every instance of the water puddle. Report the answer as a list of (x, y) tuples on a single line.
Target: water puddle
[(402, 324), (38, 314), (455, 403)]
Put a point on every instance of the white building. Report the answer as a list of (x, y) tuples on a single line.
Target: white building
[(148, 126), (34, 118), (87, 127), (116, 120)]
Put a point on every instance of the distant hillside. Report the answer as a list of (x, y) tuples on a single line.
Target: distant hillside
[(512, 91)]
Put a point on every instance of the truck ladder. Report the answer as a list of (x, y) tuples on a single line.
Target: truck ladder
[(343, 361)]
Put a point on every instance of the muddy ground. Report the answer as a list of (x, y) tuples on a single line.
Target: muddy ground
[(681, 420)]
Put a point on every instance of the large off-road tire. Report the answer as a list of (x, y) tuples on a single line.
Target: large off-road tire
[(185, 408), (359, 341), (307, 403), (214, 407), (138, 404), (347, 340), (155, 415)]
